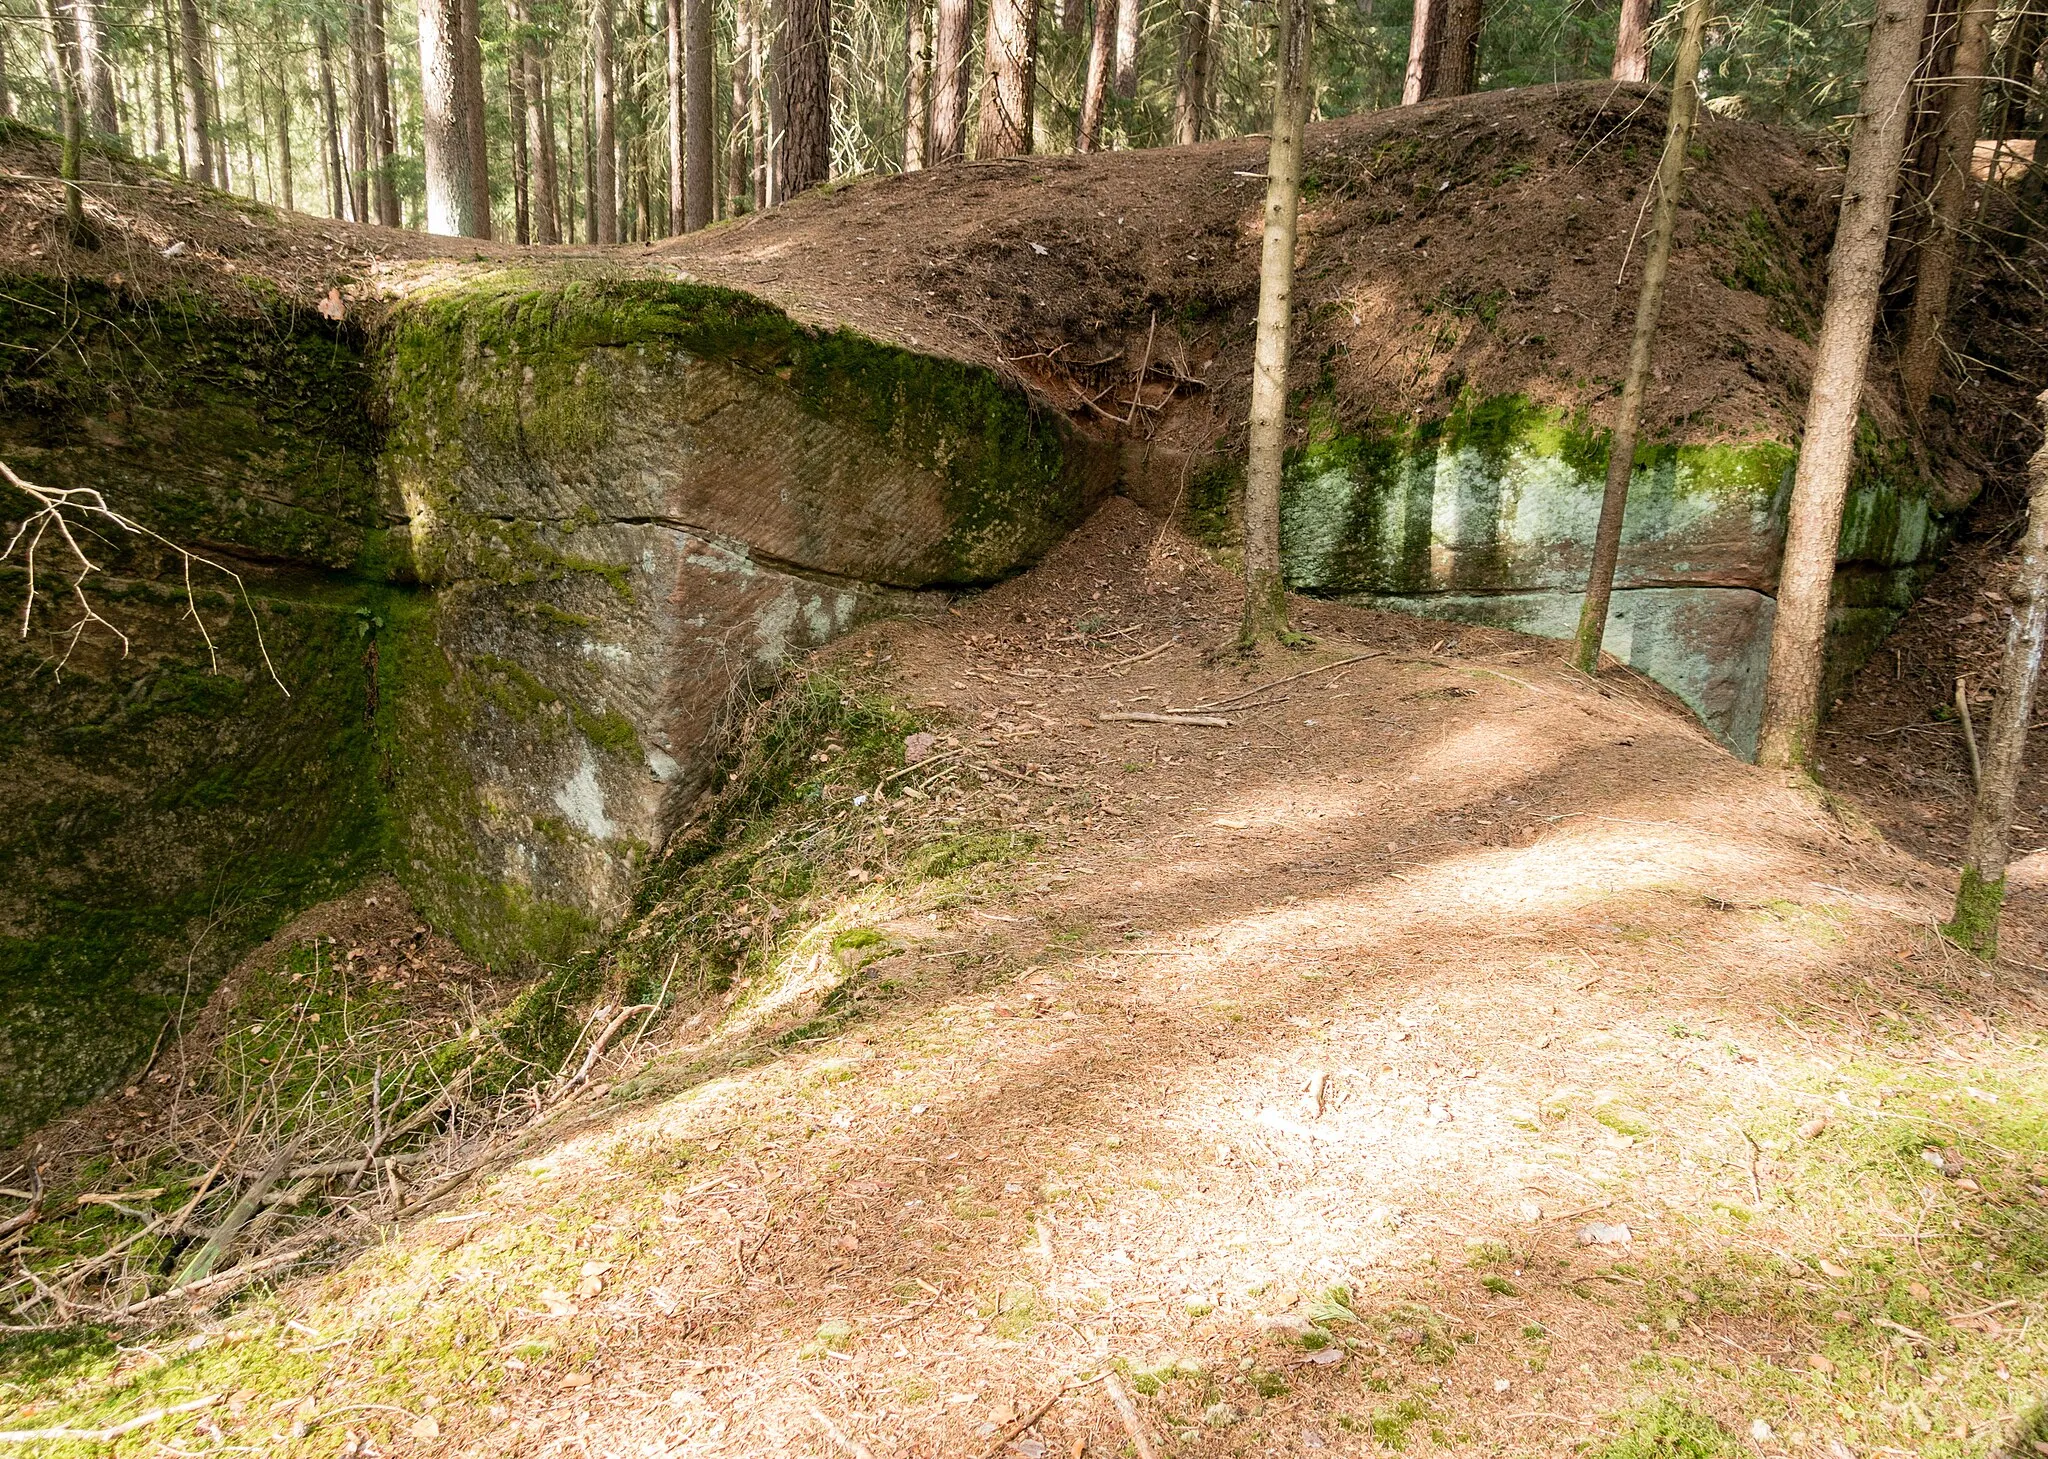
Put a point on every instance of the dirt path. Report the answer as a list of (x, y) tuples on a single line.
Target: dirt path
[(1293, 1073)]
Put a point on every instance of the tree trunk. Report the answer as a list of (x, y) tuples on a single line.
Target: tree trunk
[(515, 113), (451, 190), (383, 121), (472, 76), (359, 190), (1128, 20), (6, 91), (1011, 72), (1948, 203), (1457, 70), (1095, 88), (746, 126), (1683, 111), (249, 117), (330, 119), (917, 87), (1265, 596), (1191, 91), (1982, 892), (950, 62), (604, 102), (159, 144), (1073, 16), (60, 54), (803, 75), (173, 84), (776, 100), (678, 120), (1792, 685), (95, 67), (192, 42), (222, 173), (547, 196), (699, 114), (1425, 50), (284, 138), (2022, 54), (1632, 40)]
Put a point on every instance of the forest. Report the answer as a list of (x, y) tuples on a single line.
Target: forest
[(902, 729)]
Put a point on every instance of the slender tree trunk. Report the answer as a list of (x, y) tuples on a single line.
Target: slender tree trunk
[(1981, 895), (192, 45), (223, 177), (60, 53), (1073, 16), (699, 115), (383, 120), (451, 190), (950, 62), (359, 188), (804, 77), (917, 102), (330, 120), (547, 208), (472, 76), (95, 67), (172, 83), (2022, 54), (1792, 686), (1632, 40), (1128, 19), (249, 117), (678, 119), (1458, 63), (605, 121), (1683, 111), (1011, 74), (1265, 595), (739, 170), (1425, 51), (515, 112), (1948, 203), (159, 144), (1191, 91), (1095, 86), (284, 137), (760, 114), (7, 91), (777, 102)]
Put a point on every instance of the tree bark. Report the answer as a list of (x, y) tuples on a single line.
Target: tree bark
[(1621, 454), (95, 67), (917, 87), (330, 119), (2022, 54), (604, 107), (547, 195), (1095, 86), (950, 62), (804, 77), (776, 100), (515, 112), (192, 42), (1425, 49), (1457, 71), (678, 120), (172, 83), (6, 91), (1981, 895), (1792, 686), (1948, 203), (1265, 597), (359, 189), (60, 52), (1128, 20), (741, 173), (1191, 92), (472, 75), (1073, 16), (699, 114), (451, 190), (383, 120), (1632, 40), (284, 138), (1011, 72)]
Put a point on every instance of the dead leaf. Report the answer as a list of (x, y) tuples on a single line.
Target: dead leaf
[(1820, 1362), (1813, 1128), (1828, 1268), (558, 1304), (331, 307), (426, 1426), (576, 1380)]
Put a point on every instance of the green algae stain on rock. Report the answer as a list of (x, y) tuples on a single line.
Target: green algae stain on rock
[(1487, 515)]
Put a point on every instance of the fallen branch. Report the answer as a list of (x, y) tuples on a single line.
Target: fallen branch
[(215, 1246), (1259, 689), (597, 1047), (1128, 1412), (1023, 1425), (109, 1434), (1197, 721), (1150, 653)]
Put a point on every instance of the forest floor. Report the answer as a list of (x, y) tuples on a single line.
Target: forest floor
[(1452, 1054)]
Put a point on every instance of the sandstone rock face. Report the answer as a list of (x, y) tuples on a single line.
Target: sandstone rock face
[(634, 501), (1487, 516)]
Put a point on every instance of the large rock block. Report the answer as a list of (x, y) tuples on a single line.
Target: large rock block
[(635, 499)]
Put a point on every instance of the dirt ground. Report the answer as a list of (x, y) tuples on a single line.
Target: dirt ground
[(1452, 1054)]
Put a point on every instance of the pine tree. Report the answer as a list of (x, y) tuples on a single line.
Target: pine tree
[(446, 123), (1011, 71), (1792, 684), (1632, 41), (950, 76), (803, 76)]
